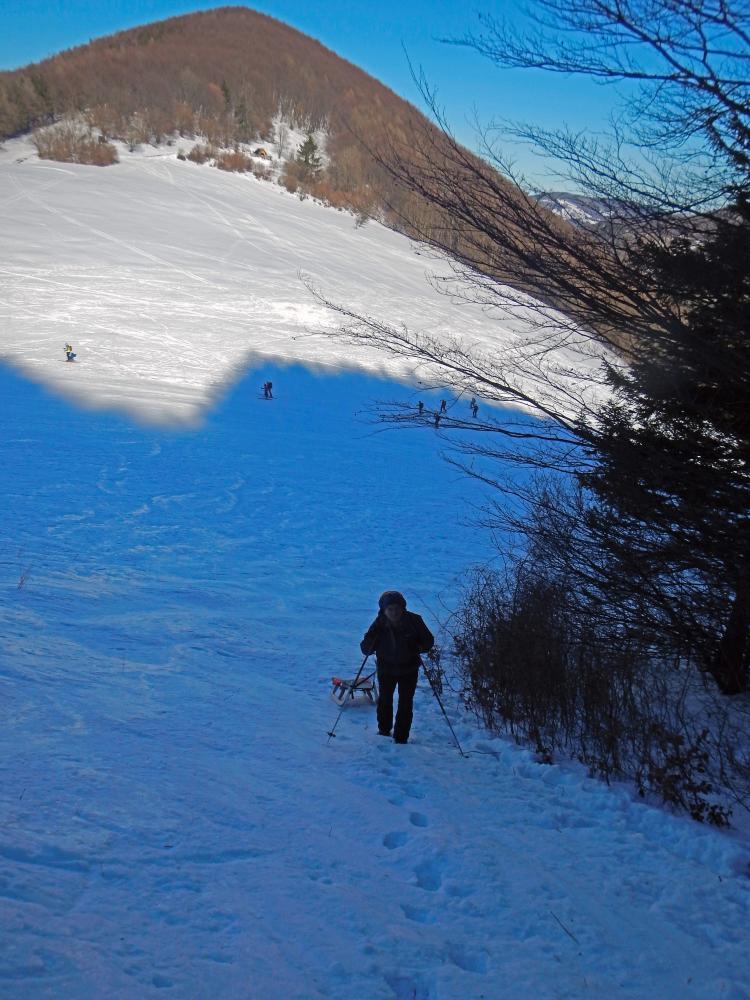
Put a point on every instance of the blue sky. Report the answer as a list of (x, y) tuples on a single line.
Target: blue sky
[(374, 36)]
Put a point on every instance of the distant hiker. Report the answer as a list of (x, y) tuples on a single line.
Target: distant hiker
[(420, 407), (269, 386), (397, 637), (443, 406), (265, 390), (69, 353), (437, 421), (474, 407)]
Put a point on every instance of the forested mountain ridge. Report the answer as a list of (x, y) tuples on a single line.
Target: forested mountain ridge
[(223, 74), (231, 59), (229, 77)]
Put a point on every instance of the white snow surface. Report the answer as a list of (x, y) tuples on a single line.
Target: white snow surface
[(170, 279), (173, 603)]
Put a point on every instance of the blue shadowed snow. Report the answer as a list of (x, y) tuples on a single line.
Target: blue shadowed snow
[(270, 531), (176, 822)]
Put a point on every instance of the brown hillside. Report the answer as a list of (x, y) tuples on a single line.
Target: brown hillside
[(224, 74), (228, 59)]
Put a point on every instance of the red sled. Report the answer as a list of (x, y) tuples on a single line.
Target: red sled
[(347, 692)]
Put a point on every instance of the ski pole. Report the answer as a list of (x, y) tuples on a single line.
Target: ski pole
[(332, 732), (442, 709)]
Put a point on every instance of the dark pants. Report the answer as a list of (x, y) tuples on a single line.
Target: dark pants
[(407, 685)]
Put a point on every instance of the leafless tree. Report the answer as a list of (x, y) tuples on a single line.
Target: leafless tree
[(655, 295)]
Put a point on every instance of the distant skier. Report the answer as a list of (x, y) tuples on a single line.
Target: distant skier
[(443, 406), (397, 637), (474, 407), (69, 353), (269, 386), (420, 407), (437, 421)]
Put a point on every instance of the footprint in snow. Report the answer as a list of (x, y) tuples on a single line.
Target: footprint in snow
[(395, 839), (406, 988), (418, 914), (413, 792), (418, 819), (429, 876), (469, 961), (458, 890), (407, 792)]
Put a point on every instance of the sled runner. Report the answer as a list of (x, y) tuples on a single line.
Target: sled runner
[(345, 692)]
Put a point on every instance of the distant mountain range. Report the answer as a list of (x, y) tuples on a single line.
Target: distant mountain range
[(616, 215), (586, 210)]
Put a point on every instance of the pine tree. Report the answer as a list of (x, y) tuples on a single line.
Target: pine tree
[(672, 472), (225, 92), (308, 159)]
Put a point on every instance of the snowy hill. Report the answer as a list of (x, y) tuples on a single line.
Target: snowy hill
[(168, 278), (176, 593), (583, 210)]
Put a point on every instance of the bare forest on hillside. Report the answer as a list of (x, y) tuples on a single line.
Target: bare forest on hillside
[(223, 76)]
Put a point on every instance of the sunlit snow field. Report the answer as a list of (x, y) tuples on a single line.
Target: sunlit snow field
[(175, 594)]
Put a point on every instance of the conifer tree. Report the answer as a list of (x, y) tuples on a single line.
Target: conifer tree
[(662, 282), (308, 159), (672, 472)]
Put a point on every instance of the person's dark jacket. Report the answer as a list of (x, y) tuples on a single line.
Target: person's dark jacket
[(397, 647)]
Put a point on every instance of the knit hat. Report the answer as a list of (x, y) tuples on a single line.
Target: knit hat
[(391, 597)]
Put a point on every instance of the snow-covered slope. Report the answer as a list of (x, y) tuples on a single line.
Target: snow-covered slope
[(584, 210), (176, 822), (168, 278)]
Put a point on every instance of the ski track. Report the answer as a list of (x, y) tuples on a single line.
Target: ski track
[(173, 605)]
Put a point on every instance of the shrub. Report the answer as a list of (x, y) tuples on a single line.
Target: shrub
[(104, 119), (200, 154), (289, 181), (235, 161), (540, 666), (262, 171), (70, 142)]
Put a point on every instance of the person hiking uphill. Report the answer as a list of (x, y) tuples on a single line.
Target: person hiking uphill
[(397, 637)]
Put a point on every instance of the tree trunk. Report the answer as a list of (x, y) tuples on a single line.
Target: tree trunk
[(730, 665)]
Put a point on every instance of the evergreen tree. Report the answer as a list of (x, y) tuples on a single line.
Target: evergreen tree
[(672, 472), (662, 281), (244, 129), (225, 92), (308, 160)]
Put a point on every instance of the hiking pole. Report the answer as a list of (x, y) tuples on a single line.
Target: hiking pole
[(332, 732), (442, 709)]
